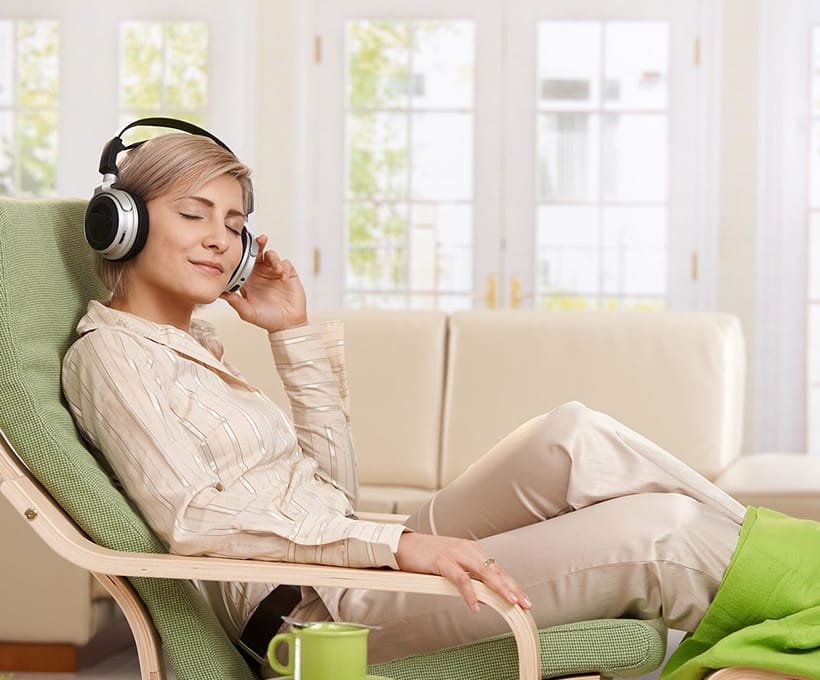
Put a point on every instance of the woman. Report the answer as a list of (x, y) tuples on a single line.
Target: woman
[(579, 517)]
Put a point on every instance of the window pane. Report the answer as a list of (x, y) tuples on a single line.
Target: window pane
[(37, 72), (568, 251), (186, 66), (635, 157), (568, 151), (37, 144), (7, 154), (442, 156), (569, 64), (634, 251), (443, 65), (6, 63), (164, 69), (450, 254), (636, 65), (377, 155), (377, 237), (141, 51), (378, 71)]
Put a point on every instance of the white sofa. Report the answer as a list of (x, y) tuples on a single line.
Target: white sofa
[(431, 393)]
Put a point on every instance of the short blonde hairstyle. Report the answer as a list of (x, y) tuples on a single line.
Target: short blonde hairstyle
[(174, 162)]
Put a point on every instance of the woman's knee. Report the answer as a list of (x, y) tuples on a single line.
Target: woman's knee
[(562, 423), (683, 530)]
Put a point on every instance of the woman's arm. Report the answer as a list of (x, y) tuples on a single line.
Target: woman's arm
[(125, 396), (316, 404), (310, 361)]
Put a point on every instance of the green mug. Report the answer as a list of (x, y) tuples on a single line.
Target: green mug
[(323, 651)]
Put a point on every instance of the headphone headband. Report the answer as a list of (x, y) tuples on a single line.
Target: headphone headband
[(116, 221), (108, 159)]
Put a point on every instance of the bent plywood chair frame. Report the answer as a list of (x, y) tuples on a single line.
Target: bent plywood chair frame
[(110, 567)]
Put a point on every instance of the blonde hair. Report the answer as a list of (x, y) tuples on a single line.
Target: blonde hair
[(170, 163)]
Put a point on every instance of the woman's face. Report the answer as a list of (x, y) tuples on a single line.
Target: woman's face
[(194, 244)]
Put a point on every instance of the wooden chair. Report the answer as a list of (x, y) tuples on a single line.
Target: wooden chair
[(50, 478)]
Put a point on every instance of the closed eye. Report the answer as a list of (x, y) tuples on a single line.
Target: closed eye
[(188, 216), (237, 232)]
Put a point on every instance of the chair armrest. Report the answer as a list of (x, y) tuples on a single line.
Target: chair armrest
[(63, 536), (383, 517), (744, 673)]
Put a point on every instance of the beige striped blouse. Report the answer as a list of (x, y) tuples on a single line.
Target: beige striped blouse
[(213, 464)]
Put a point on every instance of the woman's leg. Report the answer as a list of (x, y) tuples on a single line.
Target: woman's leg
[(655, 555), (565, 460), (593, 519)]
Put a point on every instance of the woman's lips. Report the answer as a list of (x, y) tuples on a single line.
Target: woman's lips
[(213, 268)]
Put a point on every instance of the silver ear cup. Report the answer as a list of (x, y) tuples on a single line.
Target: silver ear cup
[(112, 222), (250, 249)]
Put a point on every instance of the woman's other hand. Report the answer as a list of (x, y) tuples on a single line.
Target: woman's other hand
[(458, 560), (273, 297)]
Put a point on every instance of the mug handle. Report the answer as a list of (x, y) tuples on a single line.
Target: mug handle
[(286, 638)]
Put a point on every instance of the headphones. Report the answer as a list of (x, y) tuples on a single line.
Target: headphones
[(116, 221)]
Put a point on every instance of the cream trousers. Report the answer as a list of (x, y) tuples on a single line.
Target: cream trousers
[(594, 520)]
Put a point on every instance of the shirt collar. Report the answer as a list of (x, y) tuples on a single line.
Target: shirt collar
[(200, 344)]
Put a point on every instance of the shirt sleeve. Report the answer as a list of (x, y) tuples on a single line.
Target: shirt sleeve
[(310, 361), (116, 391)]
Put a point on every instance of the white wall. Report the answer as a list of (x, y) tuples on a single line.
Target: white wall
[(737, 270)]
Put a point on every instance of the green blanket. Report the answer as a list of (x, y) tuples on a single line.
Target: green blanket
[(766, 613)]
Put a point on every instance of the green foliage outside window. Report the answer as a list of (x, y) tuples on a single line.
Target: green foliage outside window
[(29, 113), (378, 78)]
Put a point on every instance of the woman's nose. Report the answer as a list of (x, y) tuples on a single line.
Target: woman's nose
[(216, 239)]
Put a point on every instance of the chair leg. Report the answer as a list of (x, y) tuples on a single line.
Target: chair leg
[(149, 649)]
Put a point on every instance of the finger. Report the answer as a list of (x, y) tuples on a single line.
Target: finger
[(262, 241), (462, 581), (239, 303), (514, 592), (497, 578)]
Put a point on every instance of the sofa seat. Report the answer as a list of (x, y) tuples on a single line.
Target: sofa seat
[(786, 482), (401, 500)]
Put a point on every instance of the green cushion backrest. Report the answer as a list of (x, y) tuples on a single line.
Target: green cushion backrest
[(46, 280)]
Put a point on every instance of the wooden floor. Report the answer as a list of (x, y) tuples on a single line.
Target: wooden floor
[(122, 666)]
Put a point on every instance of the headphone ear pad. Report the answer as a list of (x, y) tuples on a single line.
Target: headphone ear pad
[(116, 223), (142, 227), (250, 249)]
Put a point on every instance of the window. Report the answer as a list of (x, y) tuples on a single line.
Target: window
[(409, 184), (163, 70), (518, 153), (75, 73), (29, 106), (602, 164)]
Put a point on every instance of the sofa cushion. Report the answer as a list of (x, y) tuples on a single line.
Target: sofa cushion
[(395, 363), (786, 482), (677, 378), (402, 500)]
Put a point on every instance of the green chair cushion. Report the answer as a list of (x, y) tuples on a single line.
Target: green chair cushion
[(622, 647), (46, 280)]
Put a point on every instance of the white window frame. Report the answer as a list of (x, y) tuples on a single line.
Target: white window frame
[(701, 240)]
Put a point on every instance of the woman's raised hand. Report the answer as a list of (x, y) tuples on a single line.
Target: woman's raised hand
[(273, 296), (458, 560)]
